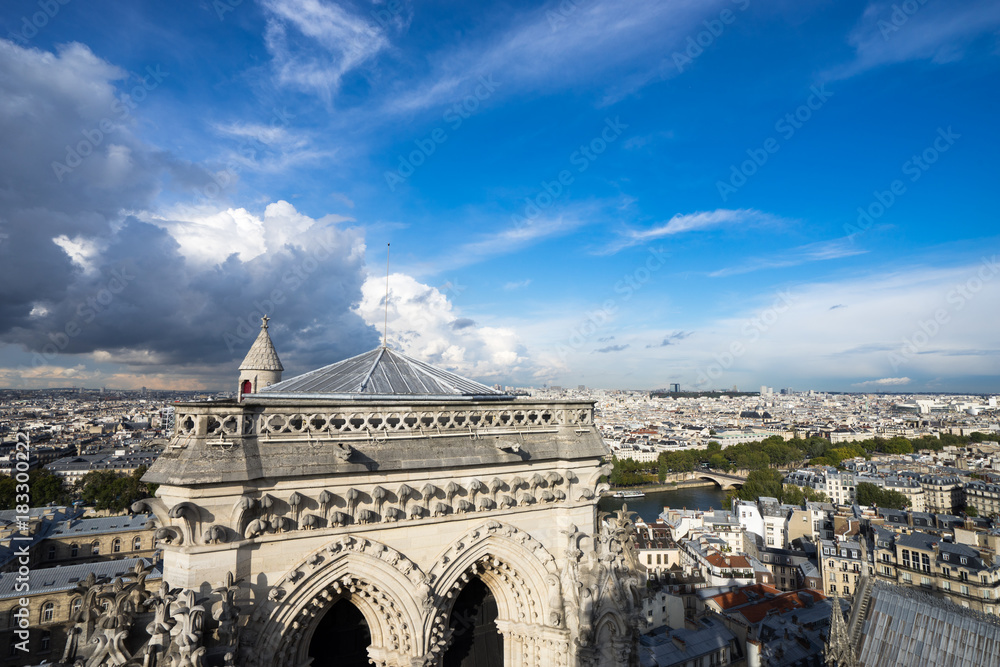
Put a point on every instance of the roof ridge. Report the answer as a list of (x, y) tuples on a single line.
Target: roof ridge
[(368, 376)]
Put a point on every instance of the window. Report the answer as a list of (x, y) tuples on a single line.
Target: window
[(77, 604), (116, 545), (45, 641), (965, 590), (944, 556), (649, 559), (847, 591), (986, 594), (137, 543), (833, 589), (74, 550), (926, 562), (14, 651), (52, 552), (47, 610), (833, 576), (964, 560), (946, 585), (95, 548), (906, 558), (846, 578)]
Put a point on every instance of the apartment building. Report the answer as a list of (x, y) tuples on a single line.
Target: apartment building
[(943, 494), (983, 496), (841, 565)]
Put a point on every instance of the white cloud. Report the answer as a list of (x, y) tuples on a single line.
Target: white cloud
[(208, 236), (689, 222), (538, 51), (812, 252), (424, 323), (884, 382), (936, 31), (337, 42)]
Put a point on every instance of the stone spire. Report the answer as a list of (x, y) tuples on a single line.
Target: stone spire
[(262, 355), (838, 651), (261, 367)]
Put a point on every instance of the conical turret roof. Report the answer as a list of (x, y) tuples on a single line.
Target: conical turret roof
[(262, 355), (381, 373)]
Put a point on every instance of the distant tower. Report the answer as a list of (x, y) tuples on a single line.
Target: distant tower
[(261, 367)]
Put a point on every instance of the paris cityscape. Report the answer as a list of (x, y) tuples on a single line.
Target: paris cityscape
[(582, 333)]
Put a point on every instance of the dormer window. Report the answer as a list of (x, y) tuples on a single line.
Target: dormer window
[(945, 556)]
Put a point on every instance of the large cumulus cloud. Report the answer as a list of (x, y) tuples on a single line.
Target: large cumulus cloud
[(95, 267)]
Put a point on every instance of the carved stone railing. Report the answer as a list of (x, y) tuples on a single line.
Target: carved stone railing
[(378, 423)]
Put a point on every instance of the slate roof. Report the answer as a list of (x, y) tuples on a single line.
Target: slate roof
[(101, 525), (382, 372), (53, 579), (907, 627)]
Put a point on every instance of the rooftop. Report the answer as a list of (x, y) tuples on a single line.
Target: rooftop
[(380, 373)]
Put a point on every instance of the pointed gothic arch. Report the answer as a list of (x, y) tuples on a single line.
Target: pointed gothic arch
[(385, 587), (523, 579)]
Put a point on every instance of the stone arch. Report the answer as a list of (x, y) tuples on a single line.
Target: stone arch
[(516, 568), (386, 588), (612, 640)]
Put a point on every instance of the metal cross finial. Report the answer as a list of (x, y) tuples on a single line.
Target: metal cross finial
[(263, 321)]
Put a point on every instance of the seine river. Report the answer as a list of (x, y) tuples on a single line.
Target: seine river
[(649, 508)]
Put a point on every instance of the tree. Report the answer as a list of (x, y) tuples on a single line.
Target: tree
[(719, 462), (109, 490), (761, 483), (971, 511), (870, 494), (43, 488)]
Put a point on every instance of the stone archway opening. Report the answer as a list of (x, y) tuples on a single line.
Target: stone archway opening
[(341, 638), (475, 639)]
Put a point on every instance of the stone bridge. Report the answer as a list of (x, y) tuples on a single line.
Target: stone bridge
[(724, 480)]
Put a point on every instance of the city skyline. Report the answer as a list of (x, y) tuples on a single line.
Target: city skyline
[(618, 195)]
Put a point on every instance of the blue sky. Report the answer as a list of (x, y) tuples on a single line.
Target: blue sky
[(616, 194)]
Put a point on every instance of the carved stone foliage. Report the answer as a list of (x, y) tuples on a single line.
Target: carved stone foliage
[(253, 517), (102, 625)]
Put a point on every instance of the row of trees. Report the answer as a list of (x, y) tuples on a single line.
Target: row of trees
[(102, 489), (775, 452)]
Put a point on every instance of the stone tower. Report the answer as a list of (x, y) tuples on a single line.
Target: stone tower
[(261, 368)]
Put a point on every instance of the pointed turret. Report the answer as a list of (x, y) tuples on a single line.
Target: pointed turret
[(261, 367), (838, 651)]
